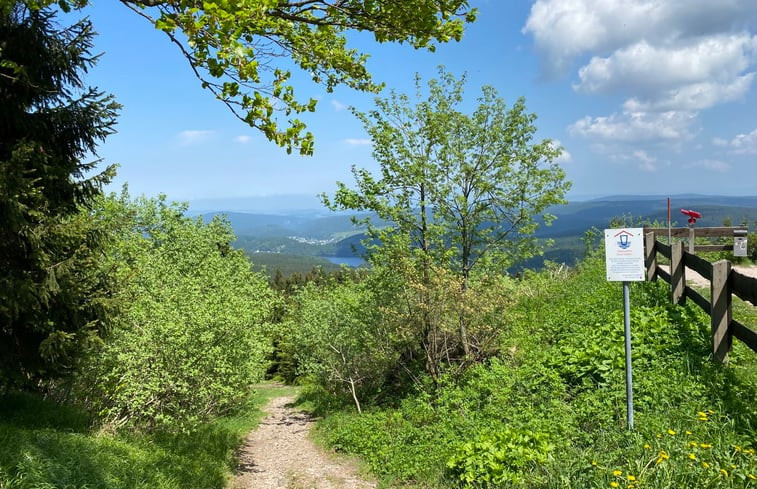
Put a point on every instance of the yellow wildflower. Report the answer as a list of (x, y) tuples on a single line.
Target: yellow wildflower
[(701, 414), (631, 477), (688, 432), (594, 463), (737, 448), (617, 473), (724, 472), (751, 476), (692, 456), (733, 466), (662, 456), (749, 451), (614, 484), (705, 465), (630, 486), (693, 444), (659, 435), (705, 445), (702, 419), (647, 446), (671, 432), (710, 411)]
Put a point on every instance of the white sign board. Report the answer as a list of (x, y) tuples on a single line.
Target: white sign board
[(624, 255)]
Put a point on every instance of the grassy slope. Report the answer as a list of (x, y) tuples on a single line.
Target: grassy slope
[(45, 445), (561, 376)]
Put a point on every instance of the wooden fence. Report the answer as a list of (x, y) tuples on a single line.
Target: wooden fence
[(724, 281)]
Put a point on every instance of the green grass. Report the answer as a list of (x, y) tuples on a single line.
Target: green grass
[(46, 445), (549, 411)]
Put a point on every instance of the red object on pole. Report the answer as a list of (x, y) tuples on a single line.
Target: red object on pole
[(693, 215)]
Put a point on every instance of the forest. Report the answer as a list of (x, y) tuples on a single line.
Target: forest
[(138, 344)]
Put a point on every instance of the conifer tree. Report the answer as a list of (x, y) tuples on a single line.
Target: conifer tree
[(53, 300)]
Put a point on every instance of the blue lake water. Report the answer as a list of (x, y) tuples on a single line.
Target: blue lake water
[(350, 261)]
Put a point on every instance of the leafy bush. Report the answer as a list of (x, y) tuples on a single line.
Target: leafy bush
[(339, 339), (192, 338), (491, 460)]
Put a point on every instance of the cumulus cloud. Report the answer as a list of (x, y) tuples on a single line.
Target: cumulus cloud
[(194, 136), (566, 29), (668, 60), (634, 127), (357, 142), (653, 70), (697, 96), (741, 144)]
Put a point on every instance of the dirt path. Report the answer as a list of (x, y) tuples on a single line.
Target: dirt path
[(280, 455)]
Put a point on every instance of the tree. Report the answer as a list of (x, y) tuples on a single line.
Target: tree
[(54, 298), (461, 190), (237, 49)]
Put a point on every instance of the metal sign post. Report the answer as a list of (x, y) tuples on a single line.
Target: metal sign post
[(624, 262)]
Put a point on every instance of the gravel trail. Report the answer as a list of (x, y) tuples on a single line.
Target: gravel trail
[(280, 455)]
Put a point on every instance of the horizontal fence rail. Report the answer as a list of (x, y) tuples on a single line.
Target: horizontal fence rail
[(724, 282)]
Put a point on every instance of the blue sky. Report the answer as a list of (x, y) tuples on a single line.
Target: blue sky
[(646, 96)]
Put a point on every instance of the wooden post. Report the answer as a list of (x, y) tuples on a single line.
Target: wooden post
[(650, 257), (677, 274), (721, 310)]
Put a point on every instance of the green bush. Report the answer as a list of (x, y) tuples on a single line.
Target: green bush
[(491, 460), (192, 338)]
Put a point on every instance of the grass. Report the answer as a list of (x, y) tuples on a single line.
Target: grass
[(46, 445), (549, 411)]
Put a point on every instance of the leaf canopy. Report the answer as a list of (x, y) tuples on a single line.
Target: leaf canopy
[(242, 50)]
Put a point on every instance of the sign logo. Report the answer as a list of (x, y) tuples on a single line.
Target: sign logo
[(623, 239)]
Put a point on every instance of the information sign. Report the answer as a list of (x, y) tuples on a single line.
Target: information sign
[(624, 255)]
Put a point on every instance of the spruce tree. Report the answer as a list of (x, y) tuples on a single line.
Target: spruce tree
[(53, 299)]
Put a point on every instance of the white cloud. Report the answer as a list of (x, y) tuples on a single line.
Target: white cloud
[(193, 136), (338, 106), (357, 142), (712, 165), (698, 96), (655, 70), (566, 29), (242, 139), (741, 144), (635, 127), (668, 59)]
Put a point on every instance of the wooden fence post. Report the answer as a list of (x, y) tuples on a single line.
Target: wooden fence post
[(650, 258), (721, 310), (677, 274)]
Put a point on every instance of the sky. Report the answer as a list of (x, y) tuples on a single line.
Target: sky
[(645, 96)]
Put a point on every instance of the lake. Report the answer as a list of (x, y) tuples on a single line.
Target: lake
[(350, 261)]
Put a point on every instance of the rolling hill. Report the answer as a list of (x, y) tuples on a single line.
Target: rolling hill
[(318, 233)]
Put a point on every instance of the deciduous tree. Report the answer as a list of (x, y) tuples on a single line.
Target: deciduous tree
[(242, 51), (461, 190)]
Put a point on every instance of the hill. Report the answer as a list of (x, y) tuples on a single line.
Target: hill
[(318, 233)]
